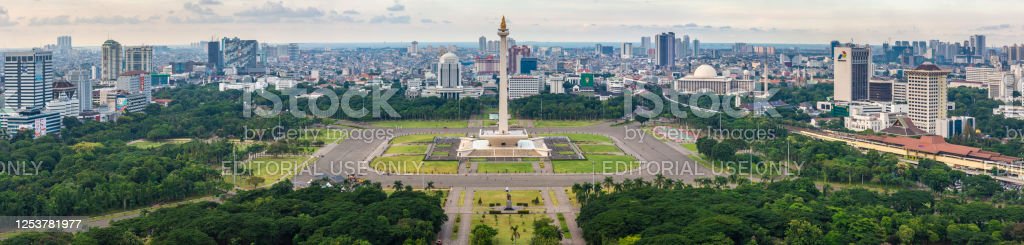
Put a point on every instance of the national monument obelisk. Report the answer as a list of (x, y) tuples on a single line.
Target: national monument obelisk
[(503, 142), (503, 79)]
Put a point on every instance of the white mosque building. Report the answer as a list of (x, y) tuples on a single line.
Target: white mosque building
[(706, 79)]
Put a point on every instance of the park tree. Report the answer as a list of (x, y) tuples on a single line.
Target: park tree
[(482, 235), (801, 232)]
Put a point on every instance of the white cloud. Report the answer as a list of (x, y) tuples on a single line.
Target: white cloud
[(111, 20), (5, 18), (390, 19), (275, 12), (199, 14), (397, 7), (343, 17), (50, 21)]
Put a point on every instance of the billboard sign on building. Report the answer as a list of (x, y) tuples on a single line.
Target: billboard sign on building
[(121, 103), (40, 127), (586, 80)]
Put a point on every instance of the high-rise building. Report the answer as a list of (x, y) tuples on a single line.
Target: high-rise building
[(899, 92), (515, 54), (527, 65), (240, 53), (448, 74), (523, 86), (293, 51), (645, 43), (686, 46), (926, 87), (664, 45), (64, 45), (978, 44), (880, 90), (138, 58), (483, 44), (83, 87), (113, 60), (851, 71), (627, 50), (832, 47), (696, 48), (680, 51), (28, 79), (486, 64), (413, 48), (214, 58)]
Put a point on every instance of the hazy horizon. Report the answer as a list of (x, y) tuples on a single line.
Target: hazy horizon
[(34, 23)]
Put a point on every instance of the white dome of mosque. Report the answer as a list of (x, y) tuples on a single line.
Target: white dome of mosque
[(705, 71), (449, 58)]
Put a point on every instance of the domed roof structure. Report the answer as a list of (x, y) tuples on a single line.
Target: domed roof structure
[(705, 71), (63, 87), (449, 58)]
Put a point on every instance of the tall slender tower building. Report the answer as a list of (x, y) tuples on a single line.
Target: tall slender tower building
[(503, 76), (696, 48), (645, 44), (851, 71), (483, 44), (926, 87), (214, 58), (665, 50), (686, 46), (113, 60), (627, 50)]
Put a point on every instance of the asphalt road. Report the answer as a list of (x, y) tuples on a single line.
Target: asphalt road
[(352, 156)]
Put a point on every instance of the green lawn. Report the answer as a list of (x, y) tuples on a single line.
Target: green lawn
[(421, 124), (585, 138), (563, 123), (596, 164), (564, 226), (419, 138), (413, 165), (690, 146), (498, 196), (147, 144), (270, 169), (407, 149), (592, 149), (504, 168), (503, 224)]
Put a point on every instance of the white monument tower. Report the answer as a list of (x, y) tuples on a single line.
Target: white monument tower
[(503, 142), (503, 79)]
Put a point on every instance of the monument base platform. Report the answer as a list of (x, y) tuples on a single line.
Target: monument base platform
[(493, 143)]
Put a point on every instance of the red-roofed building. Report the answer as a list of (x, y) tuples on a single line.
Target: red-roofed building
[(935, 144)]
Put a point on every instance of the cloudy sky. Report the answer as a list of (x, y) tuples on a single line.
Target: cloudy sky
[(31, 23)]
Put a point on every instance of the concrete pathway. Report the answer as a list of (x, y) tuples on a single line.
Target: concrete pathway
[(466, 212), (570, 216), (451, 209), (548, 167)]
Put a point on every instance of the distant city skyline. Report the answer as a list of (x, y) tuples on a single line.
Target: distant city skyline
[(32, 23)]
